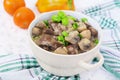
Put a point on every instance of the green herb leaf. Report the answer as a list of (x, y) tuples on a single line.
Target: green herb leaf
[(64, 33), (65, 21), (61, 14), (46, 22), (56, 18), (65, 43), (60, 38), (96, 41), (75, 25), (80, 36), (84, 19)]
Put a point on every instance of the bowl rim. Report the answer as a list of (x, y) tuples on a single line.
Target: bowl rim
[(71, 12)]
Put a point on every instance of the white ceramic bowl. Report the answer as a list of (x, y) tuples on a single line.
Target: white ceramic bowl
[(66, 65)]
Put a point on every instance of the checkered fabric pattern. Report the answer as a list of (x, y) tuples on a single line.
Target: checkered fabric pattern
[(17, 62), (26, 65), (107, 23), (106, 14)]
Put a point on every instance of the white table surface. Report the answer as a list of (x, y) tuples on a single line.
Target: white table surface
[(14, 40)]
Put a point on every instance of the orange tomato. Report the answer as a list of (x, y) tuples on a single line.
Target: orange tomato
[(12, 5), (23, 17), (49, 5)]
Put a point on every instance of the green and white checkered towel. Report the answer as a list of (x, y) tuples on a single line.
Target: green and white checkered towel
[(25, 67)]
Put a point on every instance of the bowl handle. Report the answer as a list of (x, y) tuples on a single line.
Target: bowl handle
[(88, 66)]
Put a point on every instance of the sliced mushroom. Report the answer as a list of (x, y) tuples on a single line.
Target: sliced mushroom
[(85, 44), (70, 29), (40, 24), (61, 50), (73, 37), (36, 31), (94, 32), (72, 49), (69, 25), (92, 45), (81, 27), (86, 34)]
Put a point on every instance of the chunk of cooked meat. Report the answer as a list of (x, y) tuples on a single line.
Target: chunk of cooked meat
[(50, 21), (48, 40), (40, 24), (85, 44), (81, 27), (73, 37), (46, 47), (94, 32), (36, 31), (87, 24), (86, 34), (48, 31), (72, 49), (57, 28), (62, 26), (61, 50)]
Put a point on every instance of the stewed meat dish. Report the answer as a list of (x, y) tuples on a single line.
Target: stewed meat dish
[(65, 34)]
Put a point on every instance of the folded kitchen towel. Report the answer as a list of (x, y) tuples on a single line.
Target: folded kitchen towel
[(107, 15), (25, 67)]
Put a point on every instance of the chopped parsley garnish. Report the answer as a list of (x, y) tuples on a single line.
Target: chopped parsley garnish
[(46, 22), (56, 18), (96, 41), (75, 25), (80, 36), (61, 17), (84, 19), (64, 33)]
